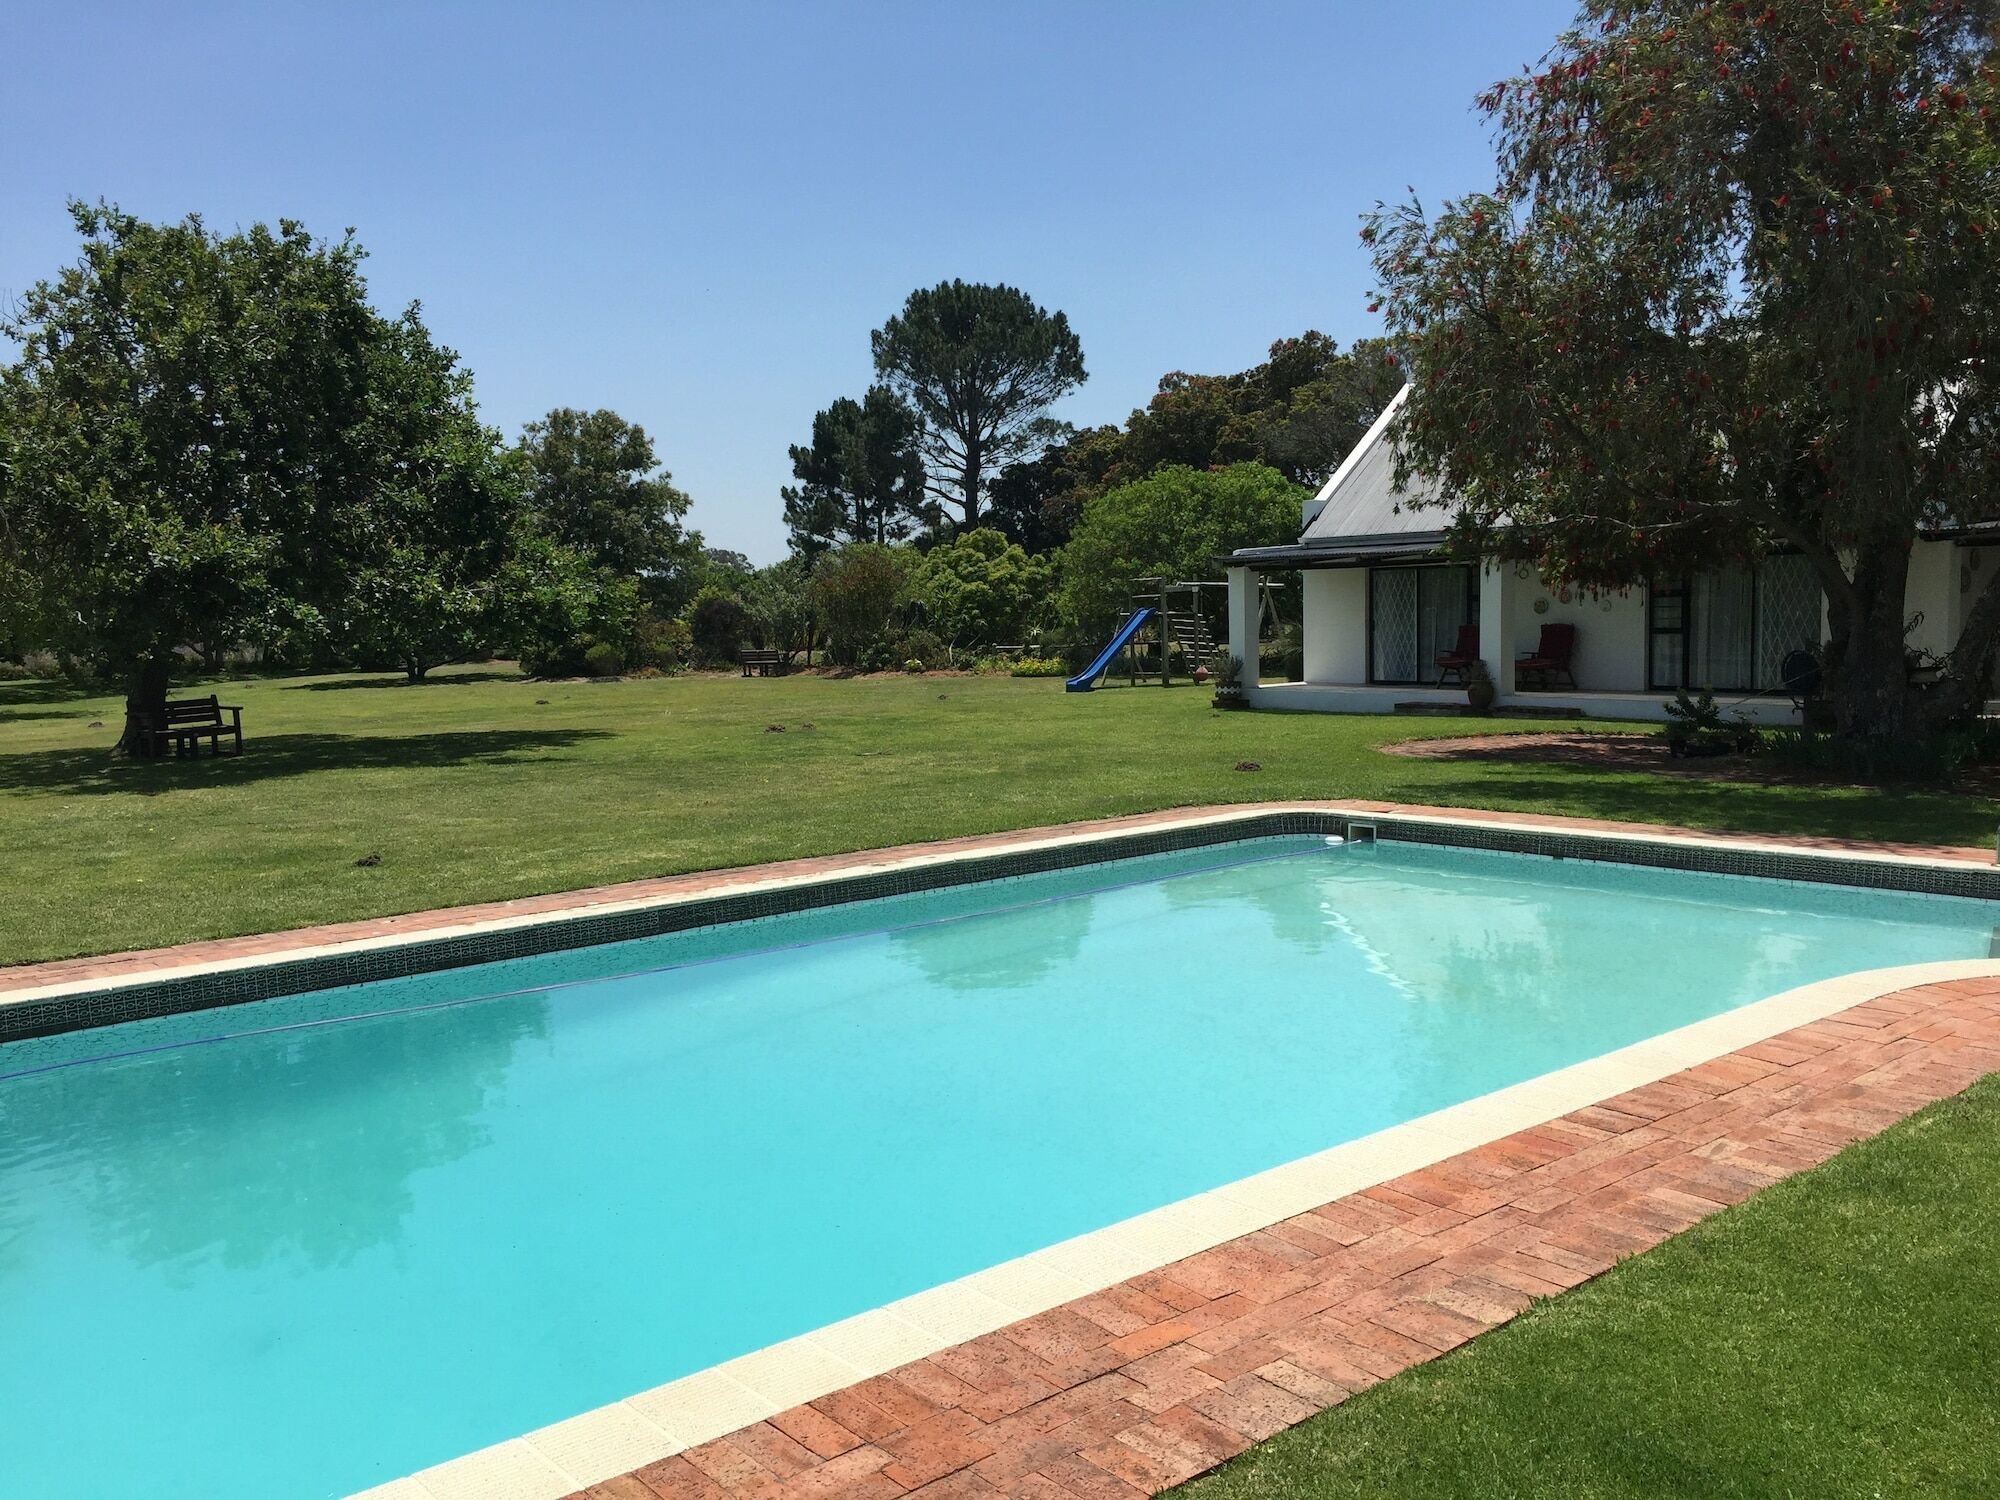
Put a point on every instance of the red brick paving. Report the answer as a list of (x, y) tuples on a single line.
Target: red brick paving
[(119, 965), (1134, 1389)]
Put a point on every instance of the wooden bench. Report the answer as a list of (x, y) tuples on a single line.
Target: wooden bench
[(186, 722), (764, 663)]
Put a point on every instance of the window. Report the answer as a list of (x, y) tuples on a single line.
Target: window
[(1413, 615), (1730, 630)]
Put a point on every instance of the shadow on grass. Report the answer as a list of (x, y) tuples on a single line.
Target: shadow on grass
[(44, 690), (269, 757), (455, 679), (1916, 815), (11, 715)]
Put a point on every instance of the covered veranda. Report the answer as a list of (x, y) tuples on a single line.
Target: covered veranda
[(1377, 612)]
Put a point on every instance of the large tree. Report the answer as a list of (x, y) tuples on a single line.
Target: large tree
[(596, 486), (1300, 411), (1735, 290), (430, 554), (1037, 501), (862, 477), (1173, 525), (184, 435), (981, 365)]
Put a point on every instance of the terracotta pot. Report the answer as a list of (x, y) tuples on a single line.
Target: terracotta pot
[(1480, 694)]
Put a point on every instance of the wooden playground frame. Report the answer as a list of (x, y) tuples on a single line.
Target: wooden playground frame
[(1179, 620)]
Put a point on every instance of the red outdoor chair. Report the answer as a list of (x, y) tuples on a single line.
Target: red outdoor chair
[(1457, 662), (1550, 659)]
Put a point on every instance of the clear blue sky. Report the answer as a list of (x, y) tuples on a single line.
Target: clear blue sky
[(695, 214)]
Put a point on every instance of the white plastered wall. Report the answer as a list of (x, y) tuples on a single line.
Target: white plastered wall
[(1610, 631), (1933, 593), (1335, 602)]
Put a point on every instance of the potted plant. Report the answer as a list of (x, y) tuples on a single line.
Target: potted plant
[(1695, 727), (1480, 690), (1229, 684)]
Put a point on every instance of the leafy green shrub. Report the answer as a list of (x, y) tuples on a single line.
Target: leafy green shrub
[(857, 591), (555, 658), (1038, 666), (980, 588), (914, 666), (1695, 727), (880, 656), (661, 645), (923, 646), (717, 625), (602, 659)]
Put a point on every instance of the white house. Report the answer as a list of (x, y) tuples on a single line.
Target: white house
[(1382, 604)]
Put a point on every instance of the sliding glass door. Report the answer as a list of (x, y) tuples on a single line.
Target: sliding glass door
[(1414, 615), (1730, 629)]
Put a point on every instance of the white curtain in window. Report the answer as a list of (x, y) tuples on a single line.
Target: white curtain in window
[(1440, 611), (1719, 645)]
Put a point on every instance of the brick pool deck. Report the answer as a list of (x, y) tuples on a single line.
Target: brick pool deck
[(1131, 1390)]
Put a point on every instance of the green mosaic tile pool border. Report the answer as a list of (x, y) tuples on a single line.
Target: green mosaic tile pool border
[(1978, 882)]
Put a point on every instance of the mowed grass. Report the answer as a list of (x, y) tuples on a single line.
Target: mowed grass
[(481, 785), (1835, 1336)]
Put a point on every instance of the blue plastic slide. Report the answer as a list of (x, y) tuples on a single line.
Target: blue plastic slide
[(1089, 677)]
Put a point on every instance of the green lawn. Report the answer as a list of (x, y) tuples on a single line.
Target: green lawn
[(480, 785), (1834, 1336)]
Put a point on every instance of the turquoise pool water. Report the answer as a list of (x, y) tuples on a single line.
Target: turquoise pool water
[(301, 1247)]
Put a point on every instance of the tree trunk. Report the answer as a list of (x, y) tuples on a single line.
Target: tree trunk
[(1870, 680), (974, 474), (1867, 667), (1869, 684), (145, 706)]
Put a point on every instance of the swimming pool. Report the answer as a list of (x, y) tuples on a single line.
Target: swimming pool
[(304, 1246)]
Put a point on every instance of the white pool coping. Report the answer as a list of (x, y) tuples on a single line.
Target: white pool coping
[(555, 1461), (558, 1460)]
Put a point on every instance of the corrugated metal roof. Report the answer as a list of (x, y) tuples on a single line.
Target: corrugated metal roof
[(1361, 499), (1340, 553)]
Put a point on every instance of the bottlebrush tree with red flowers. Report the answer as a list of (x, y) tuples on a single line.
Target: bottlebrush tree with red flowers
[(1736, 290)]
